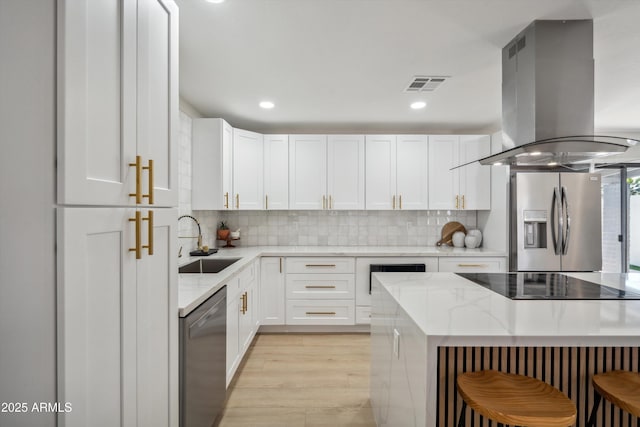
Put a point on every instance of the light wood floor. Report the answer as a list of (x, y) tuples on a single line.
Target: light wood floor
[(302, 380)]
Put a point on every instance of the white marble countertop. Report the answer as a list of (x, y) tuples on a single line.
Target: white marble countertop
[(194, 289), (447, 306)]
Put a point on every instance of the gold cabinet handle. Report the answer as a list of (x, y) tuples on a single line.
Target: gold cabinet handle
[(243, 308), (280, 265), (330, 313), (138, 248), (266, 201), (246, 305), (320, 286), (330, 202), (472, 265), (226, 200), (324, 202), (238, 201), (149, 168), (400, 201), (463, 201), (149, 245), (319, 265), (394, 201), (138, 193), (457, 201)]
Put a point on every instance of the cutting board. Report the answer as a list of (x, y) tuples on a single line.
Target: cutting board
[(447, 232)]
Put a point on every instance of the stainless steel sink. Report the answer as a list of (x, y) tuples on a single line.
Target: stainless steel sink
[(207, 265)]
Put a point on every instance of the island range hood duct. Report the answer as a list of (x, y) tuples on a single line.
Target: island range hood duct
[(547, 97)]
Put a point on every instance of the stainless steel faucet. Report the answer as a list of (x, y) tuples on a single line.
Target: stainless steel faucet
[(199, 236)]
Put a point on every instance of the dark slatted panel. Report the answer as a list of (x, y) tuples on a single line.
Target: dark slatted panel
[(569, 369)]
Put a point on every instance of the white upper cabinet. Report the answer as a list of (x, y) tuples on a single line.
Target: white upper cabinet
[(211, 165), (411, 172), (276, 172), (247, 170), (345, 172), (307, 171), (396, 172), (475, 179), (117, 99), (380, 172), (468, 187), (443, 182)]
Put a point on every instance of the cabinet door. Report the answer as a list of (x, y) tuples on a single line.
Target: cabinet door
[(247, 170), (443, 182), (96, 325), (158, 121), (157, 322), (380, 172), (411, 172), (211, 165), (247, 326), (272, 291), (307, 171), (475, 179), (345, 172), (234, 306), (96, 101), (276, 172)]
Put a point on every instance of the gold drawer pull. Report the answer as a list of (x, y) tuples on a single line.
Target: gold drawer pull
[(149, 220), (401, 201), (457, 201), (226, 200), (149, 168), (138, 193), (138, 249), (463, 201), (320, 265), (394, 202), (238, 201), (330, 313), (472, 265), (320, 286)]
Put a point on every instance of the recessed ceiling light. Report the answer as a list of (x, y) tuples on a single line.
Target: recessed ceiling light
[(215, 1), (418, 105), (552, 164), (497, 164), (535, 153), (267, 105)]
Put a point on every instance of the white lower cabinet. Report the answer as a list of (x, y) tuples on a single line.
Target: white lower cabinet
[(117, 328), (320, 291), (272, 297), (472, 265), (243, 316)]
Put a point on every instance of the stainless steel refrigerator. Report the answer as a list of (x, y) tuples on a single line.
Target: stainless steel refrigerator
[(555, 221)]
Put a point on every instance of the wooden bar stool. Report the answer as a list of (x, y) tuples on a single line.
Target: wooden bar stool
[(622, 388), (515, 400)]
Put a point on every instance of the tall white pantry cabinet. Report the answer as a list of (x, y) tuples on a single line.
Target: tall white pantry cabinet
[(117, 108)]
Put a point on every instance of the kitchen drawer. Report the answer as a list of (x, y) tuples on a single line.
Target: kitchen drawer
[(473, 265), (363, 315), (320, 286), (329, 265), (320, 312)]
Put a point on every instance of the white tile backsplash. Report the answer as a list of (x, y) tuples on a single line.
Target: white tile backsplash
[(345, 228)]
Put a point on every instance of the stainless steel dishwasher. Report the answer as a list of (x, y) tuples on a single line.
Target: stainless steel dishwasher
[(203, 339)]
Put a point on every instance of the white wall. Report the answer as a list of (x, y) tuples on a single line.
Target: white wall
[(495, 223), (27, 220)]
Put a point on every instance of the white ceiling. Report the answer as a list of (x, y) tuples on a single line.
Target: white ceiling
[(342, 65)]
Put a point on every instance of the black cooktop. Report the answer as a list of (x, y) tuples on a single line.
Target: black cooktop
[(548, 286)]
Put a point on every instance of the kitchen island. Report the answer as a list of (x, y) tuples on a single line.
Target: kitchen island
[(428, 327)]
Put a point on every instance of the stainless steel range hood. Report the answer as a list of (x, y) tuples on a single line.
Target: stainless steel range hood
[(547, 97)]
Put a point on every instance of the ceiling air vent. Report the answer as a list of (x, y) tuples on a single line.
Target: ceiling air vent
[(425, 83)]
